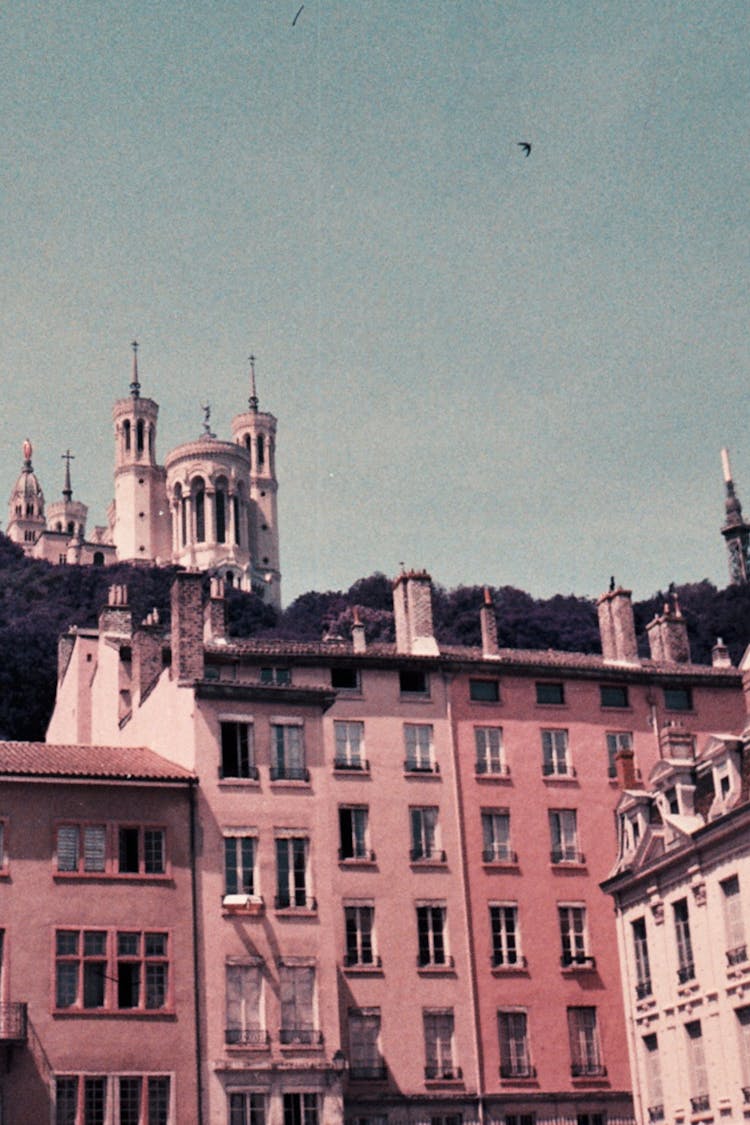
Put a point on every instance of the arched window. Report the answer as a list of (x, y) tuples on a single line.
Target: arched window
[(98, 558), (221, 515), (199, 501), (29, 509), (151, 439), (126, 434), (71, 528), (261, 450), (236, 508), (58, 526), (229, 578), (139, 436)]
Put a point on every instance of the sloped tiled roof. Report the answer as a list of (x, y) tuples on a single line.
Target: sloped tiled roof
[(116, 763)]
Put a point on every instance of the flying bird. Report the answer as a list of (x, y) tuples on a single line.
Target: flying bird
[(298, 15), (525, 146)]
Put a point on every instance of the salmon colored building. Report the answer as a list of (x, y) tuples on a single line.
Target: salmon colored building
[(398, 852), (97, 1019)]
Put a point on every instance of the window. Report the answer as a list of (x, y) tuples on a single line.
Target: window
[(244, 1025), (573, 935), (291, 873), (365, 1059), (685, 963), (438, 1041), (585, 1053), (297, 988), (237, 751), (555, 761), (345, 679), (678, 699), (652, 1068), (518, 1119), (359, 921), (496, 836), (247, 1109), (419, 754), (239, 865), (424, 835), (489, 747), (431, 935), (412, 681), (288, 750), (102, 969), (110, 849), (613, 695), (141, 851), (514, 1045), (564, 836), (505, 935), (349, 739), (617, 740), (734, 926), (81, 848), (484, 691), (353, 833), (281, 677), (135, 1099), (300, 1109), (743, 1030), (640, 955), (550, 693), (699, 1101)]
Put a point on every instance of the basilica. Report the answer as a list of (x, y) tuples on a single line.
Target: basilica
[(211, 506)]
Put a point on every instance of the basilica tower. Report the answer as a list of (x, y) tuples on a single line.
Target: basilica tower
[(141, 527), (736, 531), (26, 505), (255, 431)]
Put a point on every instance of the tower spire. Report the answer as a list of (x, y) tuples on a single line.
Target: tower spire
[(736, 531), (252, 402), (135, 386), (67, 457)]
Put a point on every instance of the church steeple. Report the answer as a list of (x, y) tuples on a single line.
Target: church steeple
[(67, 491), (736, 531)]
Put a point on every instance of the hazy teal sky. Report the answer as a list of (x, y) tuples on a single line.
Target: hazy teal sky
[(505, 370)]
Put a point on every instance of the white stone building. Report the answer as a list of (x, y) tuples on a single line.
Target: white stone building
[(681, 887), (211, 505)]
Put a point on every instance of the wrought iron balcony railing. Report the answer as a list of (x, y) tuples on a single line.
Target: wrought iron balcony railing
[(246, 1037), (737, 955), (304, 1036)]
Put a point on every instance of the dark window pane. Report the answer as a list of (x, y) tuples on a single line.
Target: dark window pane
[(613, 695), (550, 693), (484, 691)]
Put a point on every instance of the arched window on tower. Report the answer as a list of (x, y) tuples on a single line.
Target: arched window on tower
[(151, 440), (58, 526), (199, 502), (126, 434), (221, 512), (261, 450), (71, 528), (236, 508), (229, 578), (98, 559), (29, 509), (139, 436)]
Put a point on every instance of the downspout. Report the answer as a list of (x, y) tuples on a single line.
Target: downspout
[(478, 1053), (196, 963)]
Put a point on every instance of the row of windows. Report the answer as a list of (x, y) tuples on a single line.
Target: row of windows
[(238, 759), (112, 970), (734, 929), (293, 850), (127, 1099)]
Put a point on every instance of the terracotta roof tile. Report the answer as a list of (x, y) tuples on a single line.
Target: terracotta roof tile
[(40, 759)]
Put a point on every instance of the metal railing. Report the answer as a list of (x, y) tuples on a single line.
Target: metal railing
[(374, 1073), (289, 773), (578, 961), (686, 972), (444, 1072), (246, 1037), (643, 989), (361, 765), (427, 855), (518, 1070), (588, 1070), (304, 1036), (700, 1103), (295, 902), (737, 955), (499, 853)]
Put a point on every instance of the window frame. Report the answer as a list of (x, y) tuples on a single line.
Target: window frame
[(244, 880), (553, 689), (111, 850), (432, 936), (348, 751), (110, 1085), (360, 945), (505, 938), (585, 1044), (556, 760), (484, 690), (575, 950), (354, 838), (439, 1045), (419, 759), (568, 849), (619, 698), (110, 957), (513, 1043), (245, 767), (496, 836), (296, 895), (424, 831), (489, 760), (288, 751)]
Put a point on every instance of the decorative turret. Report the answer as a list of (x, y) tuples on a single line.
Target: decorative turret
[(735, 531), (26, 505), (67, 516), (255, 430)]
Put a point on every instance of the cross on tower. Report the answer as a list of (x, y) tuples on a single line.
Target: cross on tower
[(253, 400), (67, 457)]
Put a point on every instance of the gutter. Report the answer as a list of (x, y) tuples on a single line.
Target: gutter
[(196, 961)]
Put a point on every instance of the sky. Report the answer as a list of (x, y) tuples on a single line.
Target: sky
[(505, 369)]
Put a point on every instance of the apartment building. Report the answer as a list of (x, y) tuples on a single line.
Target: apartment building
[(399, 852)]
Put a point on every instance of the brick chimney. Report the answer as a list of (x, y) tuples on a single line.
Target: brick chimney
[(116, 617), (187, 626), (668, 636), (359, 644), (488, 623), (147, 656), (412, 608), (215, 614), (676, 742), (627, 777), (720, 657), (617, 626)]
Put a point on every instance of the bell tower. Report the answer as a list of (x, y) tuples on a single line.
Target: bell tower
[(26, 505), (141, 523), (735, 531), (256, 432)]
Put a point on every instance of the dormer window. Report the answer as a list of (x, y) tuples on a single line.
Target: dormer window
[(672, 801)]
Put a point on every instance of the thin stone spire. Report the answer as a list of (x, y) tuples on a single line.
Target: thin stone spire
[(253, 400), (135, 386), (67, 457), (736, 531)]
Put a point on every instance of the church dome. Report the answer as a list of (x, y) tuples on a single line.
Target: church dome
[(27, 499)]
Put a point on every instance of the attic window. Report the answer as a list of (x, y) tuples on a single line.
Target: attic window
[(412, 681), (724, 785), (345, 679), (550, 693), (672, 801), (613, 695), (678, 699), (484, 691)]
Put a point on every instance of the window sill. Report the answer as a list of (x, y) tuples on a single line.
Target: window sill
[(290, 783), (519, 969), (110, 877), (553, 706), (115, 1013), (343, 769), (359, 861), (239, 783), (414, 697), (364, 970), (244, 1048), (560, 778), (301, 1048), (616, 707), (455, 1083), (296, 912), (447, 970), (500, 776), (431, 774), (510, 864), (572, 968)]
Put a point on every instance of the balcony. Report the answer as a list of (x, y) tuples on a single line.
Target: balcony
[(686, 972), (701, 1103), (377, 1072), (413, 766), (12, 1023), (642, 989), (300, 1036), (285, 772), (737, 955), (443, 1072), (351, 765), (245, 1037)]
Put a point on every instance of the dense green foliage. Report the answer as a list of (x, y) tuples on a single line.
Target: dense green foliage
[(39, 601)]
